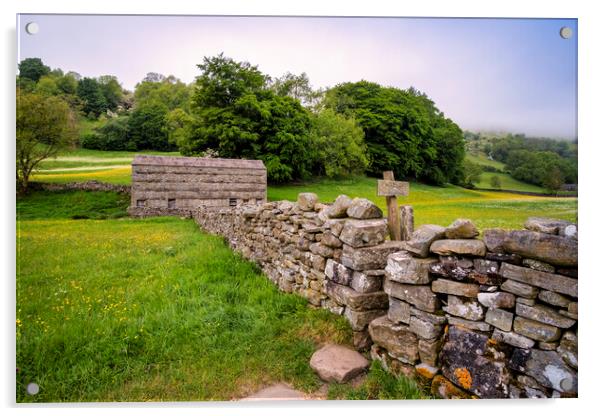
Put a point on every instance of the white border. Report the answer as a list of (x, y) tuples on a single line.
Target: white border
[(589, 132)]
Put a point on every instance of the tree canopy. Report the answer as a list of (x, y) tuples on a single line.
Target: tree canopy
[(33, 69), (404, 131), (44, 126), (236, 114)]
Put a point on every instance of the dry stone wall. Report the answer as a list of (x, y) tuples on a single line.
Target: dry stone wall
[(491, 315)]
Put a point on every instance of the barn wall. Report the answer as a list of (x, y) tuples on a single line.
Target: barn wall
[(174, 186)]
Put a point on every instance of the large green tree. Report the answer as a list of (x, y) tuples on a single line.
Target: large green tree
[(147, 128), (404, 131), (90, 92), (111, 91), (33, 69), (44, 126), (339, 145), (238, 116)]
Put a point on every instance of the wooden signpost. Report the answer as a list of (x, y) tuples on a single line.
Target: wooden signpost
[(390, 188)]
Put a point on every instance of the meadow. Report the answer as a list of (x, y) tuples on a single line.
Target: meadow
[(119, 309), (432, 205)]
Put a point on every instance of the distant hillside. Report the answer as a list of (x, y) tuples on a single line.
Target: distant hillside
[(536, 163)]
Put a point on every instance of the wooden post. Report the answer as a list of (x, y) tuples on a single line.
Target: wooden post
[(390, 188), (392, 213)]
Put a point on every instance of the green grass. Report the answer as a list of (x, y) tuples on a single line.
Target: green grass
[(482, 159), (442, 205), (149, 310), (379, 385), (508, 183), (72, 204), (432, 205)]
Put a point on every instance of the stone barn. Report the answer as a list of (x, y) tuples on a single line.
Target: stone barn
[(168, 185)]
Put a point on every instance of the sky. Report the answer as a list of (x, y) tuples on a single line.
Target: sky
[(510, 75)]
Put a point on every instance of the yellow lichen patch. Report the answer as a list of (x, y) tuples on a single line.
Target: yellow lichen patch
[(464, 377), (424, 372)]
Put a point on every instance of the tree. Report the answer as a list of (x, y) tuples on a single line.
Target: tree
[(154, 77), (170, 92), (94, 102), (67, 84), (44, 126), (404, 131), (339, 144), (111, 90), (114, 135), (297, 87), (33, 69), (47, 86), (237, 115), (472, 173), (147, 127), (495, 182)]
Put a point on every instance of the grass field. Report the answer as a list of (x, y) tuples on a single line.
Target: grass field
[(435, 205), (442, 205), (508, 183), (155, 310), (481, 159)]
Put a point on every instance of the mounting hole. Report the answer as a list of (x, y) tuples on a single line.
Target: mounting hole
[(32, 28), (566, 32), (33, 389)]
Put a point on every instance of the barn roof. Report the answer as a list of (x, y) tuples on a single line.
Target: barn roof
[(204, 162)]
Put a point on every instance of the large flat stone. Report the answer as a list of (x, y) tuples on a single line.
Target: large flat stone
[(425, 329), (339, 208), (467, 309), (547, 367), (358, 233), (338, 363), (366, 283), (402, 267), (399, 311), (520, 289), (500, 318), (460, 247), (362, 208), (338, 273), (420, 296), (370, 258), (535, 330), (470, 361), (545, 315), (468, 290), (306, 201), (546, 225), (461, 228), (553, 282), (399, 341), (554, 298), (472, 325), (344, 295), (279, 391), (497, 300), (512, 338), (553, 249), (359, 320), (422, 238)]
